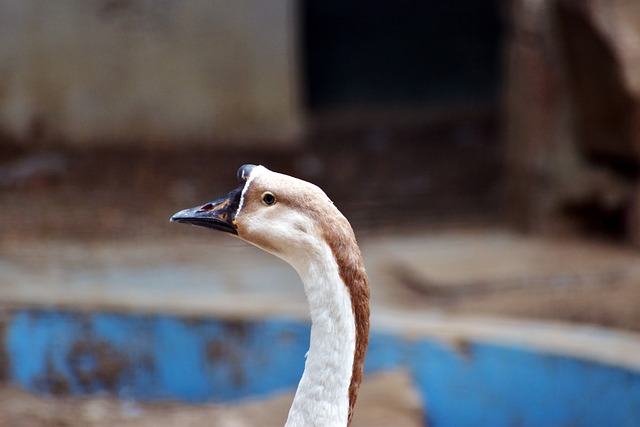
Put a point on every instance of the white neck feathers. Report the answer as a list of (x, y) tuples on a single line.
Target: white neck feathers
[(323, 392)]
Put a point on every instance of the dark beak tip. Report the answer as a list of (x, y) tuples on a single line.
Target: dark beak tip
[(203, 220), (218, 214), (178, 216)]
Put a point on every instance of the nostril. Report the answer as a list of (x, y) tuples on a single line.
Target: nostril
[(207, 207)]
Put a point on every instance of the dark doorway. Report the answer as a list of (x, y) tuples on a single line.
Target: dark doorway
[(402, 99), (402, 53)]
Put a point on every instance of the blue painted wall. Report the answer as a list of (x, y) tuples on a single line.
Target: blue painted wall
[(492, 385), (153, 357), (202, 359)]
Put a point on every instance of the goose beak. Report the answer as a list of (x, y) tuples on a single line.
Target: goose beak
[(218, 214)]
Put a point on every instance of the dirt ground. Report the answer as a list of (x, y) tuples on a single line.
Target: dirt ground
[(386, 399), (561, 278)]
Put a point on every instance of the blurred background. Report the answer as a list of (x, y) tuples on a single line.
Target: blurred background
[(451, 112), (473, 121), (141, 106)]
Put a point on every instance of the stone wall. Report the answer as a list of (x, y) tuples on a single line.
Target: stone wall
[(148, 71), (572, 114)]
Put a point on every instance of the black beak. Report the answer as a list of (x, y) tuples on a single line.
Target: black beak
[(219, 214)]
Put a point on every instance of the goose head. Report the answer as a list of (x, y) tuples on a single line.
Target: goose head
[(280, 214), (296, 221)]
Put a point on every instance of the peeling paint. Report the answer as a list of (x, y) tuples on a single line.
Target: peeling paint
[(96, 364), (52, 381)]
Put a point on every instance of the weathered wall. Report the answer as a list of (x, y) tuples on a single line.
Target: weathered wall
[(469, 371), (148, 71), (572, 114)]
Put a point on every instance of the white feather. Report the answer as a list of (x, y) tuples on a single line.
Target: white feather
[(323, 391)]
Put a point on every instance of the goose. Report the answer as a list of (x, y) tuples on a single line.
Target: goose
[(296, 221)]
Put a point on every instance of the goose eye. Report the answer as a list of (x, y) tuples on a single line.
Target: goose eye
[(268, 198)]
